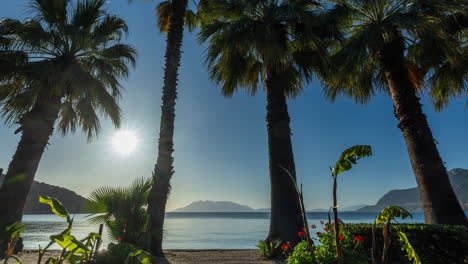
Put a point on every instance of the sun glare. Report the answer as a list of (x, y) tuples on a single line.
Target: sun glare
[(124, 142)]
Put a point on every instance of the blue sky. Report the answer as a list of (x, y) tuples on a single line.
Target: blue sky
[(221, 143)]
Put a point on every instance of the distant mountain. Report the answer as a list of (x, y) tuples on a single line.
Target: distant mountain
[(213, 207), (72, 201), (410, 200), (341, 209)]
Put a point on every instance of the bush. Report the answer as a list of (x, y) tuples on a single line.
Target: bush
[(302, 254), (435, 244), (270, 249), (115, 253), (354, 253)]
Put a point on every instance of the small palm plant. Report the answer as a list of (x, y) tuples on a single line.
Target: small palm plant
[(62, 70), (123, 210), (345, 163)]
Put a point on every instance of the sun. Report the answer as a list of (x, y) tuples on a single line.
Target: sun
[(124, 142)]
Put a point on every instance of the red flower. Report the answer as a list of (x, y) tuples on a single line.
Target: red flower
[(303, 228), (341, 237), (326, 229), (300, 233), (359, 239), (119, 239), (284, 246), (313, 226), (333, 223), (321, 222), (318, 233)]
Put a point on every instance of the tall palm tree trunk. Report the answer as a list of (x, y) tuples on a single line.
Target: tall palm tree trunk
[(285, 215), (36, 126), (164, 169), (437, 196)]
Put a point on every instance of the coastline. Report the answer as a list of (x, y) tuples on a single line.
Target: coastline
[(184, 256)]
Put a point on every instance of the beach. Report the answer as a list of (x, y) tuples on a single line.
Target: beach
[(241, 256)]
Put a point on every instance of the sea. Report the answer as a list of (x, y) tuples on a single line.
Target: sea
[(189, 230)]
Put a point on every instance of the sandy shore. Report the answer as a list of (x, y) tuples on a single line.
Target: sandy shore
[(247, 256)]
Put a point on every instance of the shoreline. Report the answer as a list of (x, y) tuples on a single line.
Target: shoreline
[(184, 256)]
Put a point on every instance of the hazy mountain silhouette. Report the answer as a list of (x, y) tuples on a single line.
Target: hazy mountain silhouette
[(410, 200), (72, 201), (214, 206)]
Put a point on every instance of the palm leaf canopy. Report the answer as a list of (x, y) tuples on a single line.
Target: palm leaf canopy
[(247, 38), (164, 12), (372, 24), (66, 50)]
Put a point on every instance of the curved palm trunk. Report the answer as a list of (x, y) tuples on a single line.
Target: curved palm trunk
[(163, 170), (285, 217), (438, 198), (37, 126)]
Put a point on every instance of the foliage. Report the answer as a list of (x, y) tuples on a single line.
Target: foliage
[(74, 251), (123, 211), (302, 254), (139, 257), (435, 244), (349, 157), (434, 52), (408, 248), (353, 251), (390, 213), (345, 163), (386, 216), (11, 235), (70, 53), (250, 38), (270, 249), (115, 253), (164, 13)]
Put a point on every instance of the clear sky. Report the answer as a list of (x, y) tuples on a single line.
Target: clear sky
[(221, 143)]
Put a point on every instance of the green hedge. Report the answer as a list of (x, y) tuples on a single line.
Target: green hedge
[(435, 244)]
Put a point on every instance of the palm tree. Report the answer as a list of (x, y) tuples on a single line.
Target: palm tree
[(280, 44), (172, 16), (123, 211), (373, 57), (69, 59)]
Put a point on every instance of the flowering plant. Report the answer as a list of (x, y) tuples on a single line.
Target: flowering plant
[(354, 252)]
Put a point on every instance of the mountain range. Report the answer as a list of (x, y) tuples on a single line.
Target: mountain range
[(406, 198), (71, 200), (410, 200)]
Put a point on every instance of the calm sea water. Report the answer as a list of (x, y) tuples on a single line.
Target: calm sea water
[(189, 230)]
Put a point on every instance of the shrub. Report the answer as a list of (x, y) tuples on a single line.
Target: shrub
[(353, 251), (270, 249), (115, 253), (435, 244), (302, 254)]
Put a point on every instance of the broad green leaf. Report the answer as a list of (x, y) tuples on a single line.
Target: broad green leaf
[(391, 212), (408, 248), (55, 205), (90, 239), (52, 261), (70, 243), (73, 258), (350, 157), (15, 229), (139, 257)]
